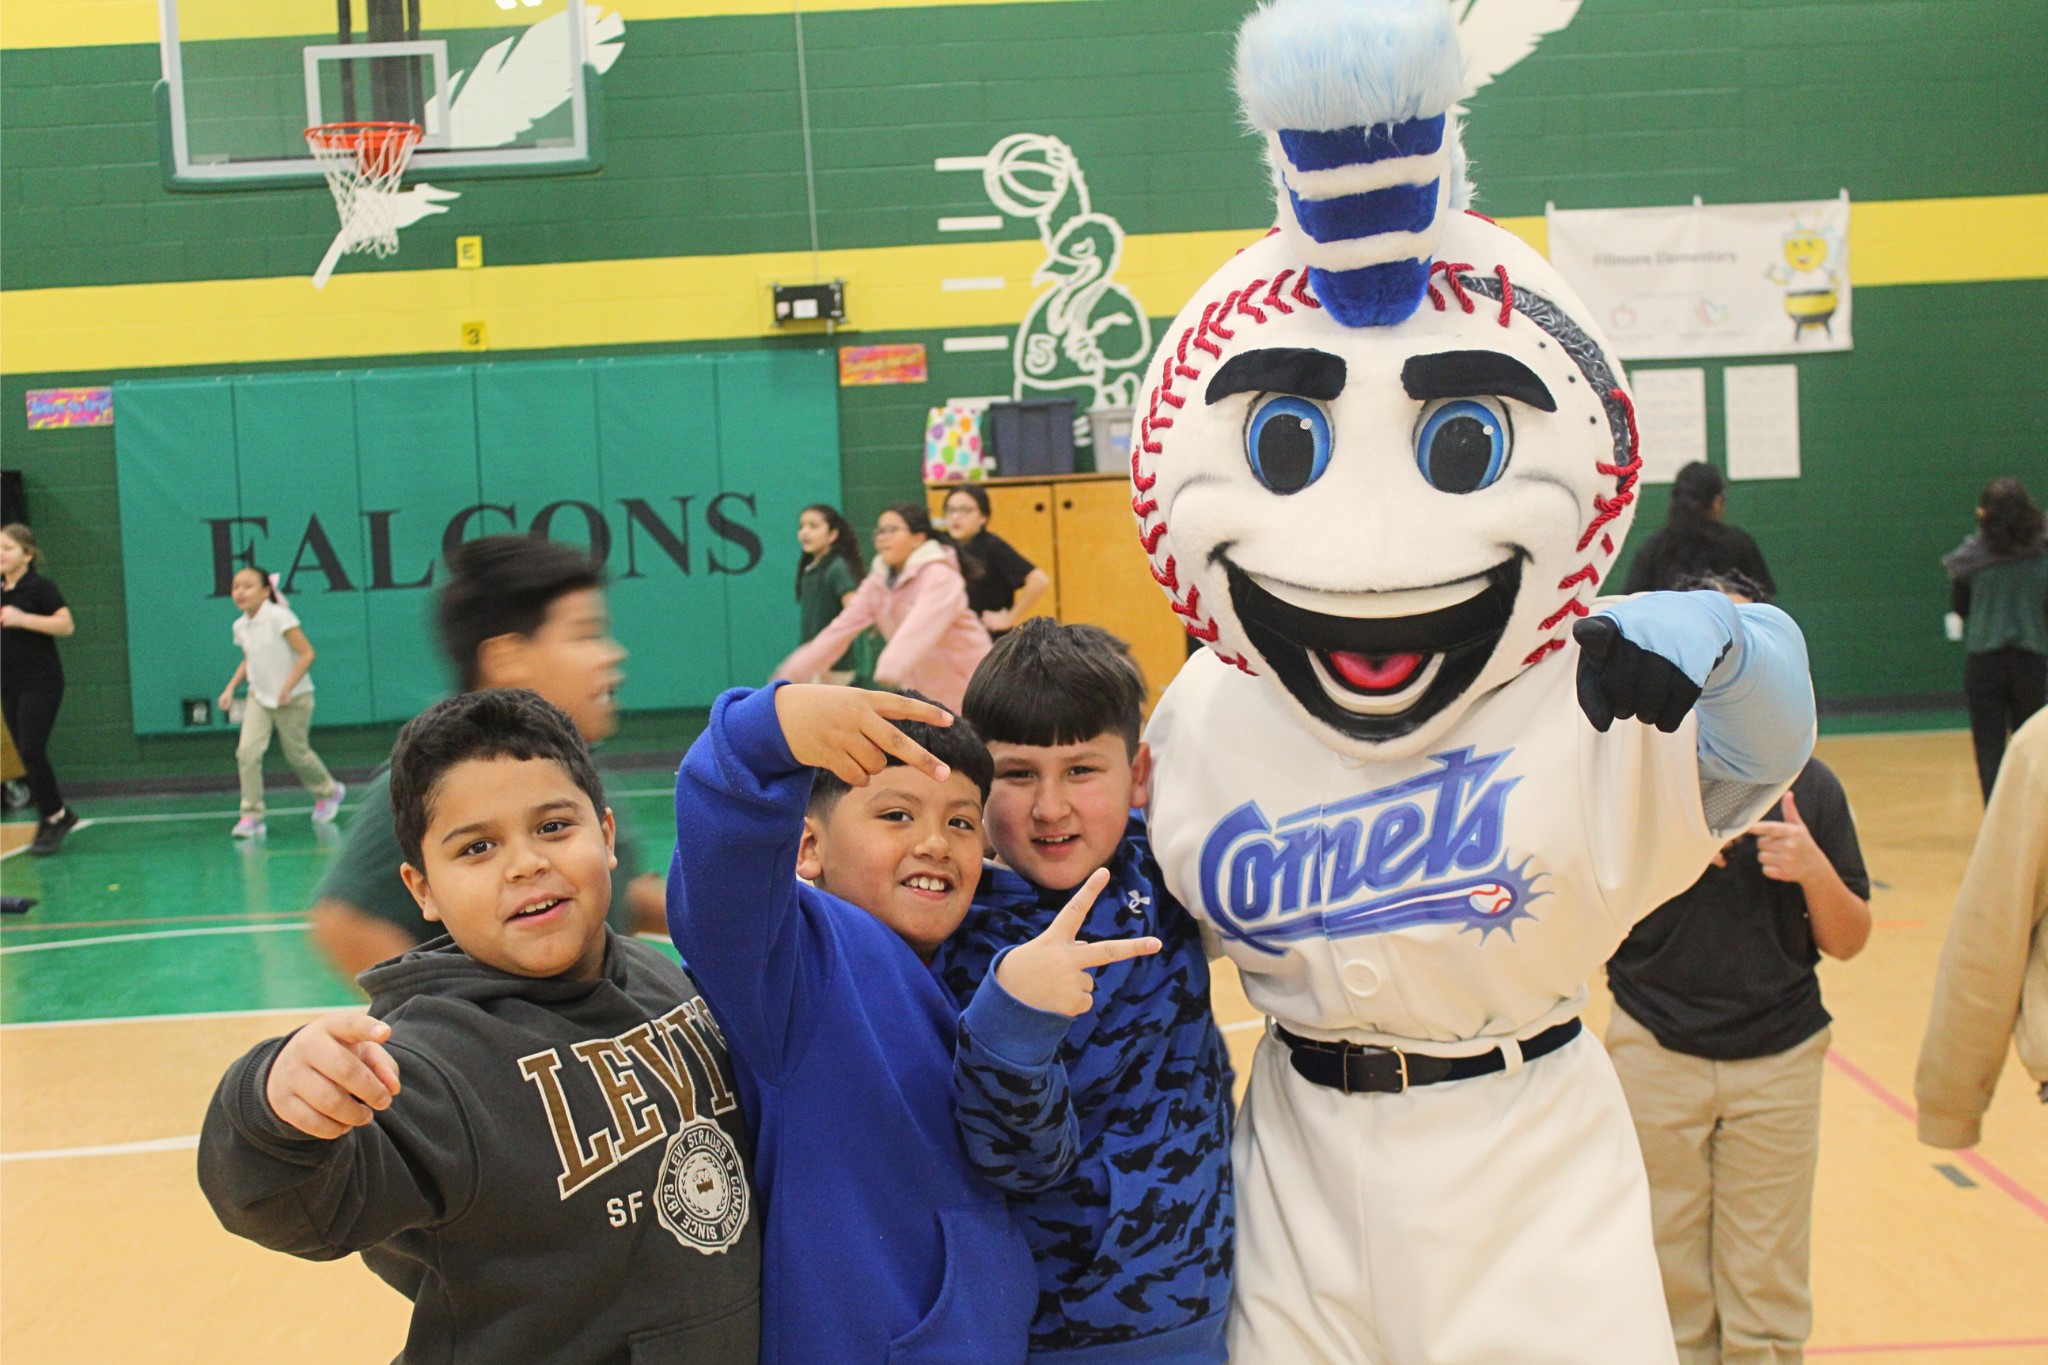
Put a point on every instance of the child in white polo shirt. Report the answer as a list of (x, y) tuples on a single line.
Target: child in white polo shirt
[(276, 662)]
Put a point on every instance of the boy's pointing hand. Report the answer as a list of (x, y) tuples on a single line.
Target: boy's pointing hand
[(851, 733), (332, 1075), (1052, 971)]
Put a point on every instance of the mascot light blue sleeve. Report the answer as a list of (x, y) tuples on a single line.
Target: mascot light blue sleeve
[(1422, 780)]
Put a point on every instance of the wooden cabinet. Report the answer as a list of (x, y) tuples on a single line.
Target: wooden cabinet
[(1079, 529)]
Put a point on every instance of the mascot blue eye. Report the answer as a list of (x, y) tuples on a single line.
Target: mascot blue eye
[(1288, 443), (1464, 444)]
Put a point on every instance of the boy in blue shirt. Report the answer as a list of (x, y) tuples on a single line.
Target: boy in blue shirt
[(881, 1243), (1110, 1129)]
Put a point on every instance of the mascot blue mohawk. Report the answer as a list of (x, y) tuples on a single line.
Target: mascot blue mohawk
[(1383, 462)]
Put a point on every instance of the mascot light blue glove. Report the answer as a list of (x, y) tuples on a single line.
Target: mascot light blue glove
[(1655, 656)]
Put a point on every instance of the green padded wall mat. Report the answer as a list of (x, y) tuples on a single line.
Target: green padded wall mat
[(684, 472)]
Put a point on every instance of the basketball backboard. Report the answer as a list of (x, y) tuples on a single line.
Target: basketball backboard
[(500, 86)]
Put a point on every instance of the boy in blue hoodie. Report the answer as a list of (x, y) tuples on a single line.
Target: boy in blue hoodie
[(1104, 1109), (881, 1243)]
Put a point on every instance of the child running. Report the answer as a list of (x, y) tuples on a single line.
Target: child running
[(1105, 1113), (881, 1243), (277, 663), (562, 1174)]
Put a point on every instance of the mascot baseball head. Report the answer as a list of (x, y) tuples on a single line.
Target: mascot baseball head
[(1384, 457)]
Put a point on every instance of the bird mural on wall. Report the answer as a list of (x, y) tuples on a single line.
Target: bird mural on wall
[(515, 83), (1088, 335)]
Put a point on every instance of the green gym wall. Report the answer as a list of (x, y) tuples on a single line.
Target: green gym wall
[(1932, 115)]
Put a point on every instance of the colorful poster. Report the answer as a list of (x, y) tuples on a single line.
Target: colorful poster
[(898, 364), (52, 408), (1711, 280)]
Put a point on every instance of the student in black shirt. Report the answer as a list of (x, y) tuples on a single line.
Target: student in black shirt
[(1009, 585), (1696, 541), (1719, 1037), (32, 618)]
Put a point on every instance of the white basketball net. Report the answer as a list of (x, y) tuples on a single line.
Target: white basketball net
[(363, 163)]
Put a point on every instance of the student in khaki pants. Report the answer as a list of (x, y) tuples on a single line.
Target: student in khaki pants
[(276, 657), (1719, 1038), (1992, 989)]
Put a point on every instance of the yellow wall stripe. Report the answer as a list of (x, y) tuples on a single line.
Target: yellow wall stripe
[(1949, 241), (82, 23), (215, 323)]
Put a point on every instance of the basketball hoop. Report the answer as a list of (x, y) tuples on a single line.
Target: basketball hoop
[(363, 163)]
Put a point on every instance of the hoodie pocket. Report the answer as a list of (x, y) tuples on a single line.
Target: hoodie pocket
[(986, 1297), (729, 1334)]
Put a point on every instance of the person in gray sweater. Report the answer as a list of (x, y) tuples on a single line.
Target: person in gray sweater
[(534, 1134)]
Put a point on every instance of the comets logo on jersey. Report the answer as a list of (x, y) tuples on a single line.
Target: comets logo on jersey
[(1430, 849)]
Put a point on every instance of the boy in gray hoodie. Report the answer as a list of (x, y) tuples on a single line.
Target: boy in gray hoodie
[(563, 1174)]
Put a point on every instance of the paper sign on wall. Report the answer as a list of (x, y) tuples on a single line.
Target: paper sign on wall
[(1718, 279), (52, 408), (1763, 421), (902, 363), (1671, 417)]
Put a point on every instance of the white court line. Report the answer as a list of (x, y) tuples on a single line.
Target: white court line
[(965, 284), (959, 163), (154, 934), (979, 223), (171, 1144), (23, 848), (178, 1018), (1241, 1025)]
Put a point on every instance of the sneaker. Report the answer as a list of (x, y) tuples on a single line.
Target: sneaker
[(248, 827), (50, 834), (327, 807)]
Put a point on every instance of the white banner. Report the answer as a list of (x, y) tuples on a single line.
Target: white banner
[(1718, 279)]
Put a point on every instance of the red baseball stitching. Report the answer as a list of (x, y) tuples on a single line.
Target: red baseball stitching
[(1507, 294), (1450, 271), (1605, 511), (1212, 325)]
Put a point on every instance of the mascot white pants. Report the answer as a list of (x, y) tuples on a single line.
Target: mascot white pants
[(1421, 1240)]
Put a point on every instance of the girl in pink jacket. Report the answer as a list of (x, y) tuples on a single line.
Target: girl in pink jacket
[(914, 595)]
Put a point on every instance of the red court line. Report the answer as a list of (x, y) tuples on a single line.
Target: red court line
[(1893, 1347), (131, 923), (2020, 1194)]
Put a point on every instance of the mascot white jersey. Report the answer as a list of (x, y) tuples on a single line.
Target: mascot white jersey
[(1421, 783)]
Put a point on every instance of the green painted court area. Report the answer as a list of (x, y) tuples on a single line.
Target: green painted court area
[(153, 910)]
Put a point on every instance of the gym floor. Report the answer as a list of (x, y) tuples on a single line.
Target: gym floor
[(161, 950)]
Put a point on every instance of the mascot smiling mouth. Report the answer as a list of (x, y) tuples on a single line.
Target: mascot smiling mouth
[(1377, 677)]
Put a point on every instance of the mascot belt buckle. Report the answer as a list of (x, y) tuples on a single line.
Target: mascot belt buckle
[(1385, 1068)]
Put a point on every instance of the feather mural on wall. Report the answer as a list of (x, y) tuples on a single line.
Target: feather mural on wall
[(1496, 34), (514, 84), (520, 81)]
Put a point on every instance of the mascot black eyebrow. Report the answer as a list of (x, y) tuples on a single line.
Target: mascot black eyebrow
[(1422, 780)]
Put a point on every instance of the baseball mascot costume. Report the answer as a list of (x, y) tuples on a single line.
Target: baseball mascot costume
[(1421, 781)]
